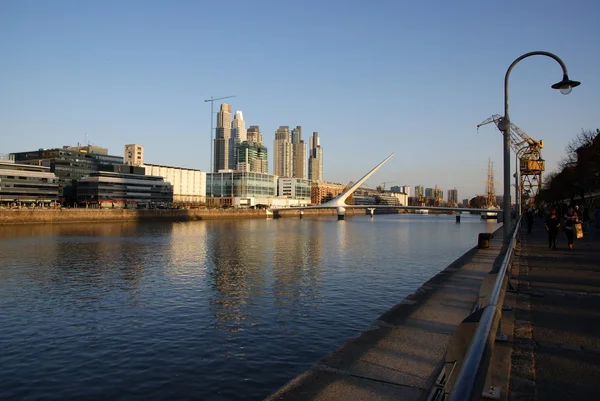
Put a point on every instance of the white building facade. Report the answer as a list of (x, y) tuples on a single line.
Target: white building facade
[(189, 185)]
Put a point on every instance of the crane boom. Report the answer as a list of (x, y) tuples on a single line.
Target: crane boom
[(528, 150), (518, 138)]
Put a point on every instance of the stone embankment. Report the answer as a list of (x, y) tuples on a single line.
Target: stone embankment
[(36, 216)]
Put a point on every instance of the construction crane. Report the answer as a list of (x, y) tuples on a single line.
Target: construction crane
[(212, 129), (529, 153), (385, 182)]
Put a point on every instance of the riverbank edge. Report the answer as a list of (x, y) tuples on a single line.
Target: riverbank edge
[(358, 369), (59, 216)]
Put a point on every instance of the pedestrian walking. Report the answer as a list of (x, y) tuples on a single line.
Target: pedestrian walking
[(552, 227), (529, 216), (570, 219)]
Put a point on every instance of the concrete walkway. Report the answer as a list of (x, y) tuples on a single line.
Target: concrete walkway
[(556, 349), (401, 355)]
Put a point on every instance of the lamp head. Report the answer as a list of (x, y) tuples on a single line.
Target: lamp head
[(566, 85)]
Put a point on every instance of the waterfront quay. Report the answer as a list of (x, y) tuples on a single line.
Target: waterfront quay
[(402, 354), (83, 215)]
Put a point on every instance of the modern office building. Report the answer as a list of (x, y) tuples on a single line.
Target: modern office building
[(120, 190), (322, 191), (315, 158), (252, 157), (189, 185), (223, 134), (298, 154), (238, 136), (282, 152), (240, 188), (429, 193), (296, 188), (70, 164), (465, 202), (27, 185)]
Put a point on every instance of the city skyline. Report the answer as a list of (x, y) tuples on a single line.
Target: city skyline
[(411, 79)]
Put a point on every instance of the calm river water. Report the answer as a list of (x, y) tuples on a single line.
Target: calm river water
[(216, 310)]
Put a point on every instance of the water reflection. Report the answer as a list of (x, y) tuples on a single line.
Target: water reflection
[(123, 310), (296, 267), (237, 269)]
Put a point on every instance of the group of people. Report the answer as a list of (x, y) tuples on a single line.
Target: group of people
[(554, 223), (570, 222)]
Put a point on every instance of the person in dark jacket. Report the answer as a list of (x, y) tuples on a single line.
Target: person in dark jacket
[(529, 217), (552, 226)]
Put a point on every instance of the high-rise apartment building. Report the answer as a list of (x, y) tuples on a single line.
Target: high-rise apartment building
[(419, 192), (298, 154), (238, 136), (253, 134), (282, 152), (429, 193), (315, 158), (453, 196), (222, 139)]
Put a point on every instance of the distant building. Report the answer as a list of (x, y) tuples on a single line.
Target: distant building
[(282, 152), (394, 198), (134, 155), (253, 134), (429, 193), (453, 197), (315, 158), (298, 154), (322, 191), (295, 188), (238, 136), (222, 137), (419, 193), (465, 202), (189, 185), (25, 185), (252, 157), (70, 164), (404, 189), (120, 190)]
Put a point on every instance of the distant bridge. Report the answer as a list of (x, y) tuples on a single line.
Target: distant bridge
[(339, 202)]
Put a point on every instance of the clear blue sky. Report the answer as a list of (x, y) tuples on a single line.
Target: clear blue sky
[(414, 78)]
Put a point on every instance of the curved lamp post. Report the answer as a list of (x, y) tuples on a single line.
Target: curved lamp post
[(565, 86)]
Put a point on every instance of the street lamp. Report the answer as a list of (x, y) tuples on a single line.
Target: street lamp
[(565, 86)]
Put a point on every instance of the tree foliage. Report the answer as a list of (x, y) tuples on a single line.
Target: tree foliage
[(579, 170), (478, 202)]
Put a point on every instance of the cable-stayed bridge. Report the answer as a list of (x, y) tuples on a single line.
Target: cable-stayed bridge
[(339, 202)]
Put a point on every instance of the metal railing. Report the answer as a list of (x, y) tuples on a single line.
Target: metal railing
[(474, 374)]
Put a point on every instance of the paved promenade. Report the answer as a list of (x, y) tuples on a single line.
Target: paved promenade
[(556, 354)]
